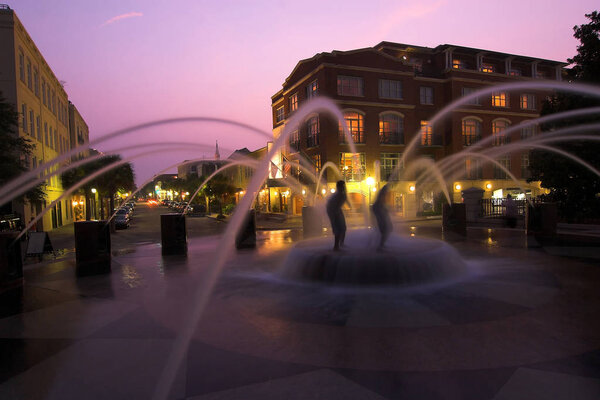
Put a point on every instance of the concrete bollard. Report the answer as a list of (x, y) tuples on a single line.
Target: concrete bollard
[(173, 234), (11, 262), (541, 220), (92, 247), (454, 218), (246, 236), (472, 200), (312, 224)]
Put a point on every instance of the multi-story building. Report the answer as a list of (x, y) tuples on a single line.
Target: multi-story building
[(28, 82), (388, 94)]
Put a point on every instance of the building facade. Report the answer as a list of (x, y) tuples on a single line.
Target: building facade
[(28, 82), (388, 94)]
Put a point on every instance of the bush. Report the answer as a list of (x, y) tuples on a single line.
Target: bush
[(228, 209)]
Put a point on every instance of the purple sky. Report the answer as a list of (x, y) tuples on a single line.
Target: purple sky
[(127, 62)]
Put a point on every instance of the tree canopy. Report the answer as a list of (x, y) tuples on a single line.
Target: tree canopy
[(575, 188)]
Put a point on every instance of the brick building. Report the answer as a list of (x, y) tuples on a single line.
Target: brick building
[(388, 93)]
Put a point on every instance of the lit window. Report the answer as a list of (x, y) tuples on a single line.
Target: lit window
[(391, 129), (499, 99), (458, 64), (527, 102), (316, 160), (312, 90), (471, 131), (356, 125), (353, 166), (489, 68), (426, 94), (294, 102), (498, 128), (388, 163), (350, 86), (279, 115), (467, 91), (389, 89), (426, 134), (312, 132), (472, 168), (515, 72)]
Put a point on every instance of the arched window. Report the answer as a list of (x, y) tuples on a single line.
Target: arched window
[(391, 129), (471, 131), (356, 124), (498, 128)]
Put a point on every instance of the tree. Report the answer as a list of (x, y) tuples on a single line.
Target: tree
[(573, 187), (120, 178), (15, 152), (219, 187)]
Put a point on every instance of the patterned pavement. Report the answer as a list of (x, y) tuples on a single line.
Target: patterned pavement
[(523, 325)]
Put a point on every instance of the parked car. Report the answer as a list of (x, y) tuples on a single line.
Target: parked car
[(121, 221), (124, 212)]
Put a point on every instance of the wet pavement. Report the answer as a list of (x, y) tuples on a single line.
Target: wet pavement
[(525, 325)]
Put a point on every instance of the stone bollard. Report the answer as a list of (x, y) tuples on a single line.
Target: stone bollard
[(454, 218), (472, 200), (173, 234), (312, 224), (11, 262), (246, 236), (541, 220), (92, 247)]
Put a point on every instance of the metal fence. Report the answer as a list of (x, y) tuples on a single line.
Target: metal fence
[(496, 208)]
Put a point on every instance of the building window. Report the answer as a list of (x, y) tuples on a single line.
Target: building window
[(54, 102), (32, 123), (312, 90), (49, 98), (38, 124), (525, 172), (24, 119), (36, 81), (316, 160), (55, 139), (426, 134), (458, 64), (471, 131), (279, 115), (356, 124), (515, 72), (472, 168), (489, 68), (294, 102), (350, 86), (295, 140), (29, 78), (499, 99), (426, 94), (353, 166), (500, 173), (44, 91), (389, 163), (389, 89), (46, 133), (527, 101), (312, 132), (499, 126), (391, 129), (21, 66), (467, 91), (527, 132)]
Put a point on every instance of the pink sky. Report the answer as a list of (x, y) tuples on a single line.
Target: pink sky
[(127, 62)]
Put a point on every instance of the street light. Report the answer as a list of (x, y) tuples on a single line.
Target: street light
[(94, 190), (370, 182)]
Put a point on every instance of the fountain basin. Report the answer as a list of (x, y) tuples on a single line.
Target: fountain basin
[(405, 261)]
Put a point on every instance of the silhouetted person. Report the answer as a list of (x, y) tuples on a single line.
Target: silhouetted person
[(382, 216), (511, 211), (336, 215)]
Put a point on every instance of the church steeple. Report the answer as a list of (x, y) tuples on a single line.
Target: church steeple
[(217, 155)]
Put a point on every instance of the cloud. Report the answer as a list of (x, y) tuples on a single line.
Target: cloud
[(122, 16)]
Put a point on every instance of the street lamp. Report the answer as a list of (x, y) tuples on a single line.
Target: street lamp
[(370, 182)]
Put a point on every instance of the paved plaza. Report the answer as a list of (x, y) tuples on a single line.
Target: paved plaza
[(524, 323)]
